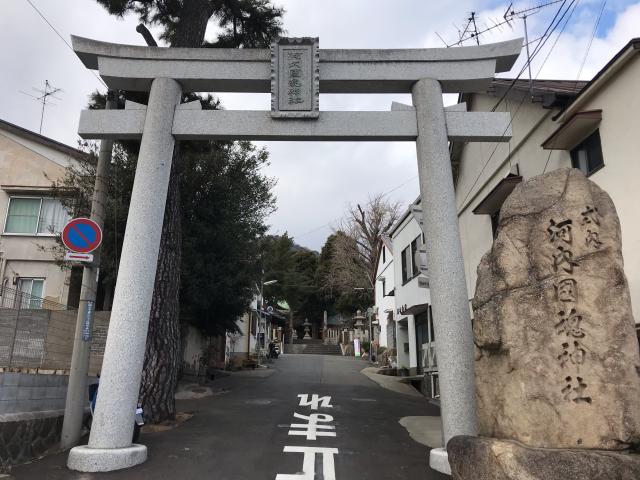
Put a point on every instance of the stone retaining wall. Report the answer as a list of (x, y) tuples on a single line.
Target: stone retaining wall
[(25, 436)]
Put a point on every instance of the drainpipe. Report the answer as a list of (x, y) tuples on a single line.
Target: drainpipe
[(3, 262)]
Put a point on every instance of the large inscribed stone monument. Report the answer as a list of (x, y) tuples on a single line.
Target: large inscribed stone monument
[(556, 352)]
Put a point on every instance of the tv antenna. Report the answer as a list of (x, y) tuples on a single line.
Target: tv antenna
[(472, 32), (49, 91)]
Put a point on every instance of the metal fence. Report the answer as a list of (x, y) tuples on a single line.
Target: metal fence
[(42, 339), (14, 298)]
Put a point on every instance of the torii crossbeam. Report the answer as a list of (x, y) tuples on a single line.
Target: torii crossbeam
[(295, 71)]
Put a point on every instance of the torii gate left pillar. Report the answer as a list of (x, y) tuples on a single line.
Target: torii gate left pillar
[(110, 446), (295, 115)]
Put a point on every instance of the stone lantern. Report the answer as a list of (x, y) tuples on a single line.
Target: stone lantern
[(359, 325), (307, 326)]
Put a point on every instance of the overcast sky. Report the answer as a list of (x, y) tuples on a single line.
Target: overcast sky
[(315, 180)]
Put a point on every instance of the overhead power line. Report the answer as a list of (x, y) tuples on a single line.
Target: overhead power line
[(62, 38), (471, 32), (593, 34), (543, 39)]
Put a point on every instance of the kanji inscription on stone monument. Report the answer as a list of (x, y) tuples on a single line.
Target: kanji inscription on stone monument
[(295, 78)]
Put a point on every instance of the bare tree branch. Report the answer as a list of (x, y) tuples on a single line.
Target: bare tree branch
[(357, 243)]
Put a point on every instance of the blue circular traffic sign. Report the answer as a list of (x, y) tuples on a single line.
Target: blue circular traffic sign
[(82, 235)]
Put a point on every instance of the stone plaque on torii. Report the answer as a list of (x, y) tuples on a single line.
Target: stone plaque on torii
[(295, 78), (295, 72)]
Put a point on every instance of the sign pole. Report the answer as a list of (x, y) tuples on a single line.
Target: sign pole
[(76, 391)]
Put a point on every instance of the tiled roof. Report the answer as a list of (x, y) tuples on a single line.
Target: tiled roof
[(564, 87), (41, 139)]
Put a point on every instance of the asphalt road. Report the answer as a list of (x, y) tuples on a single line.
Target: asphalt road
[(242, 434)]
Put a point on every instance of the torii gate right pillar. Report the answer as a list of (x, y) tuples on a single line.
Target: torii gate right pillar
[(452, 325)]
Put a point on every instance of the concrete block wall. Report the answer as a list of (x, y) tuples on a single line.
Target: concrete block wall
[(29, 392), (43, 339)]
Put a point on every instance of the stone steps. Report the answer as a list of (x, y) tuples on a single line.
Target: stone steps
[(312, 348)]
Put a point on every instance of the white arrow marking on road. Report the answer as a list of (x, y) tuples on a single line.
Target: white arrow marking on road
[(308, 463)]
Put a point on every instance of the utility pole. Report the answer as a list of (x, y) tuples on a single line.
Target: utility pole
[(76, 392)]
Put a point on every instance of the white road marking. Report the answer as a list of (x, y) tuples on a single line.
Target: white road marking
[(316, 400), (308, 463), (310, 429)]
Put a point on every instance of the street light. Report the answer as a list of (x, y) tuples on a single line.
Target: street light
[(263, 318)]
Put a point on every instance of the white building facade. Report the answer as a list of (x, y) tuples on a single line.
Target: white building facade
[(384, 294), (31, 218), (412, 314), (591, 126)]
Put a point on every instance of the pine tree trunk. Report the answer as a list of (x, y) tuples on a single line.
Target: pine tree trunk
[(194, 16), (162, 354)]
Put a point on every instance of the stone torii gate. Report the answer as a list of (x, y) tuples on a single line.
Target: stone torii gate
[(295, 71)]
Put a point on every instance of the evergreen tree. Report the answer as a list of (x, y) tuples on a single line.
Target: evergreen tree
[(244, 23)]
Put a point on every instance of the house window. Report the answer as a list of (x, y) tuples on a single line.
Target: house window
[(35, 216), (587, 156), (414, 249), (406, 274), (383, 255), (384, 287), (410, 268), (30, 292)]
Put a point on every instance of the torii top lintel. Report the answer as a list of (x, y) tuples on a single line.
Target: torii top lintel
[(461, 69)]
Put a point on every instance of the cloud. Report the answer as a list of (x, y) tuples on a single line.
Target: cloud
[(315, 180)]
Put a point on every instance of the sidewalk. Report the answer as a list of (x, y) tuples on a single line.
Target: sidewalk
[(390, 382), (426, 430)]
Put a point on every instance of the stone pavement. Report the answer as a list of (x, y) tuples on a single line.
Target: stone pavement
[(242, 434)]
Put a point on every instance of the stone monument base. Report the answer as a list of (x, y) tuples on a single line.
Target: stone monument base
[(86, 459), (439, 460), (482, 458)]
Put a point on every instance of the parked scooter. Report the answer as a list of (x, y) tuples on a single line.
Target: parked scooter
[(139, 418), (274, 350)]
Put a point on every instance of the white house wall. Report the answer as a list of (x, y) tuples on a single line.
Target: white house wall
[(619, 100), (30, 164), (531, 126), (407, 295), (410, 293), (385, 303), (56, 156), (241, 343)]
